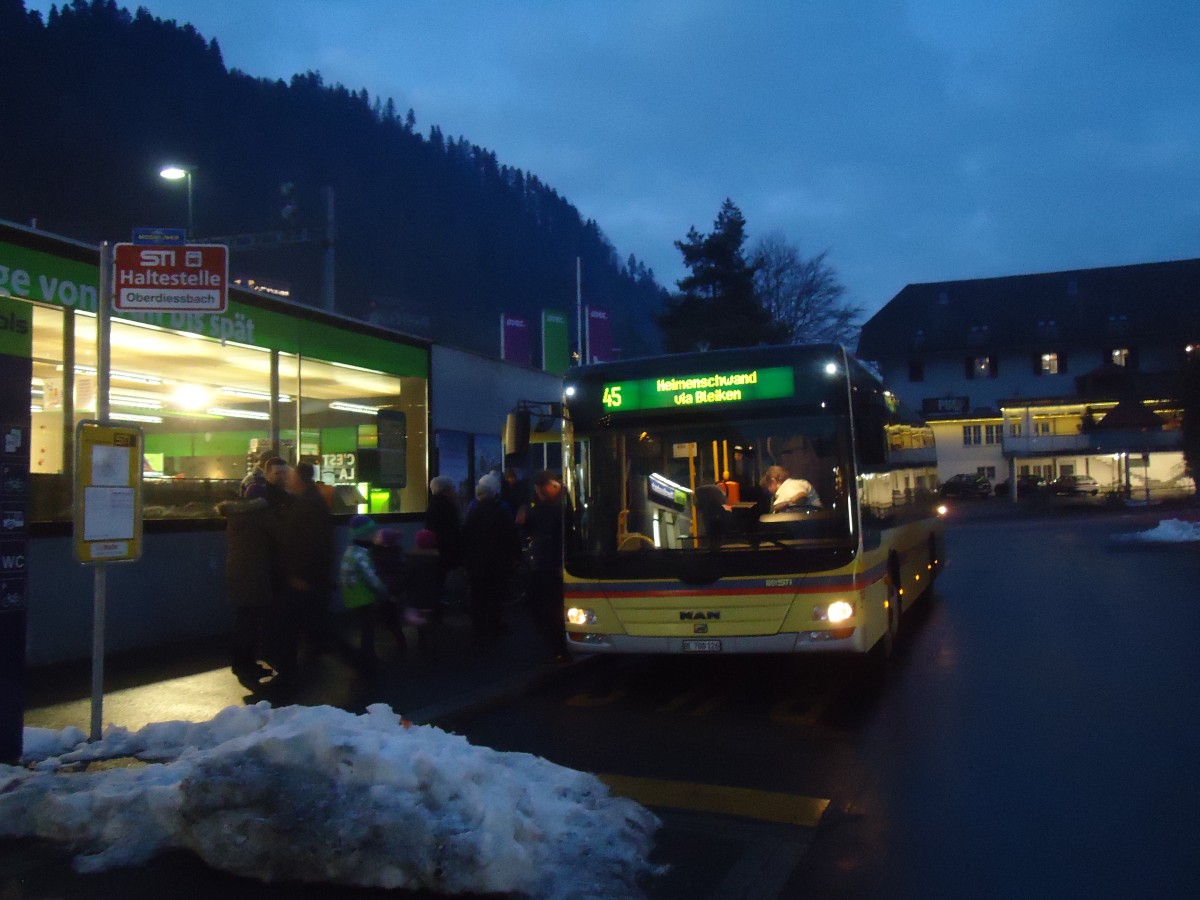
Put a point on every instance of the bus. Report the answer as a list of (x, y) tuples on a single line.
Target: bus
[(680, 536)]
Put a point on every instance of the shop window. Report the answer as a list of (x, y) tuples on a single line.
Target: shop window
[(364, 430), (205, 407)]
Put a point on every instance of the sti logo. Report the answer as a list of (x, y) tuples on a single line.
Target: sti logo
[(151, 258)]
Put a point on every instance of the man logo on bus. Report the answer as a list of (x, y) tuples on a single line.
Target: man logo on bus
[(688, 615)]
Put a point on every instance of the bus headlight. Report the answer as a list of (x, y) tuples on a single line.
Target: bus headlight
[(577, 616), (837, 611)]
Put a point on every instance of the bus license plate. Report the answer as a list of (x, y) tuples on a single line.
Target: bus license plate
[(690, 646)]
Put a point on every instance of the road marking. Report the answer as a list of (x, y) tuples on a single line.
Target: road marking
[(682, 699), (705, 708), (768, 806), (784, 712), (619, 691)]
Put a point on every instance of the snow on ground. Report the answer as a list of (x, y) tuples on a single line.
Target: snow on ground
[(1168, 531), (318, 794)]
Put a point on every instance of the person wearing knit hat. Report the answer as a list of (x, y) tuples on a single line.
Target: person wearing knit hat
[(361, 528)]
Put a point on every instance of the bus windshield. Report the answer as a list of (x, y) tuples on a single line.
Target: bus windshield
[(702, 498)]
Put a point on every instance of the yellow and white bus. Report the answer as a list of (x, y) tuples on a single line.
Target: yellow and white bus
[(675, 541)]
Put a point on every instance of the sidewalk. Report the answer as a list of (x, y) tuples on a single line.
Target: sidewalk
[(440, 683)]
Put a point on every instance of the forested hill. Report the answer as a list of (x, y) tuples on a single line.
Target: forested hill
[(434, 234)]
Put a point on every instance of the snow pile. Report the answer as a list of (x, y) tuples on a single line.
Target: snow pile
[(1168, 531), (320, 795)]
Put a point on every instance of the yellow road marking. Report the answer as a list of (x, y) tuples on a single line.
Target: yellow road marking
[(768, 806), (705, 708), (784, 712), (597, 699), (682, 699)]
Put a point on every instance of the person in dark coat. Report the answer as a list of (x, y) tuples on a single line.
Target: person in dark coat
[(389, 559), (422, 587), (443, 519), (253, 582), (309, 554), (543, 522), (491, 547)]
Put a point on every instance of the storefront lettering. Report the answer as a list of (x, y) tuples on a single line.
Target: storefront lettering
[(20, 283), (340, 467)]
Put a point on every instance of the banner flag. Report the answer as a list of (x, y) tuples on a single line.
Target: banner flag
[(515, 344), (599, 335), (556, 342)]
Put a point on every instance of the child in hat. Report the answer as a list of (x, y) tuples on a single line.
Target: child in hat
[(361, 586)]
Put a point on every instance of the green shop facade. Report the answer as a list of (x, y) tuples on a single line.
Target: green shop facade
[(210, 392)]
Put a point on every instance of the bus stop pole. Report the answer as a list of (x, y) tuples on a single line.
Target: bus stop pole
[(99, 598)]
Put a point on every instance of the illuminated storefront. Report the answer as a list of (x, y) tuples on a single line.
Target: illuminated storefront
[(210, 391)]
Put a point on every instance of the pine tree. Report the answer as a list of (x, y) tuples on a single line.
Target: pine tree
[(716, 305)]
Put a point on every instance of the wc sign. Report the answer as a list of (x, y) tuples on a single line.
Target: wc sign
[(170, 277)]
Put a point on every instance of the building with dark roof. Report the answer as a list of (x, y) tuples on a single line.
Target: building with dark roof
[(1023, 374)]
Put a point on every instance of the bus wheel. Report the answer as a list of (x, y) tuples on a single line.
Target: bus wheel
[(888, 641), (877, 664)]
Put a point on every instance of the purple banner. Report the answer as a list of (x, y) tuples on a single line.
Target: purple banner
[(599, 335), (516, 343)]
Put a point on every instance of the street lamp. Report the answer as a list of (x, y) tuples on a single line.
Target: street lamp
[(175, 172)]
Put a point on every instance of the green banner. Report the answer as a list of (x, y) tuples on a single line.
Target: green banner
[(699, 389), (556, 342), (45, 278), (16, 328)]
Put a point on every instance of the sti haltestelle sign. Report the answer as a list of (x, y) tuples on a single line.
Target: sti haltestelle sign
[(160, 278)]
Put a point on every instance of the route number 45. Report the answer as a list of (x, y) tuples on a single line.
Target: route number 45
[(612, 396)]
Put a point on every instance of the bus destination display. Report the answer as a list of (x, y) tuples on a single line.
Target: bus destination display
[(704, 389)]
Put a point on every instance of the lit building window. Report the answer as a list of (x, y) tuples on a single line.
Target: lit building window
[(1049, 363), (1120, 356)]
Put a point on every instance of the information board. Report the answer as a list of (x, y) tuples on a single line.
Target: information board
[(108, 492)]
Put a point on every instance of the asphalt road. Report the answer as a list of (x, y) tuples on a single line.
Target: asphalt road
[(1036, 737)]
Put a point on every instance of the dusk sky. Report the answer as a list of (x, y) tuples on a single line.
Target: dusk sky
[(915, 140)]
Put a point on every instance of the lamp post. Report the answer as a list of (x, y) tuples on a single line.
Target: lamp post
[(175, 172)]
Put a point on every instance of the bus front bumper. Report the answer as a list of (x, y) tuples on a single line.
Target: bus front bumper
[(790, 642)]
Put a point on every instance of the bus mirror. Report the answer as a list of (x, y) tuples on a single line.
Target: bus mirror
[(516, 433)]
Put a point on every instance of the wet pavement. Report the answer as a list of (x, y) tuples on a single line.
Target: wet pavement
[(434, 681)]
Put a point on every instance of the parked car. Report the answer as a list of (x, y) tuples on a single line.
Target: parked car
[(1027, 486), (1074, 485), (966, 485)]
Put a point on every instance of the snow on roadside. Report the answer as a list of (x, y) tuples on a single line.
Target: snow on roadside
[(1168, 531), (318, 794)]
